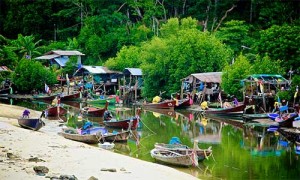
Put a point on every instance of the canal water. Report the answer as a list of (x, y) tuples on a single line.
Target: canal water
[(239, 151)]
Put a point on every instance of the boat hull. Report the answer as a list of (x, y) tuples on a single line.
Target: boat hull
[(169, 104), (122, 124), (31, 123), (56, 111)]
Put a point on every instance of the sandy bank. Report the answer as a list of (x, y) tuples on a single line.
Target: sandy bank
[(65, 157)]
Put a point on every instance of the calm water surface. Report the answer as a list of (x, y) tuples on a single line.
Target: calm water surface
[(239, 151)]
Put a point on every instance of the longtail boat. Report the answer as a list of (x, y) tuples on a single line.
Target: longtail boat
[(45, 97), (174, 158), (93, 111), (183, 149), (124, 124), (237, 110), (88, 136), (167, 104), (31, 123), (110, 99), (114, 136), (70, 97), (55, 111)]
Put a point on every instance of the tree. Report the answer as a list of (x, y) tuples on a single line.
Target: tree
[(281, 43), (30, 74), (233, 74)]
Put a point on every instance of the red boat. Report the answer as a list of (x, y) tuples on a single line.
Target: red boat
[(70, 97), (167, 104), (124, 124), (96, 112), (184, 102), (56, 111)]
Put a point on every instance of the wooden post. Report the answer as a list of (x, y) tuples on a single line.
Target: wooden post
[(181, 89), (135, 93)]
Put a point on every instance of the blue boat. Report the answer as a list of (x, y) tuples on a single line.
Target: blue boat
[(31, 123)]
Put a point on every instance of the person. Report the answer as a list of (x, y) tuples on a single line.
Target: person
[(226, 104), (54, 101), (58, 100), (235, 102), (26, 113), (107, 115), (204, 105)]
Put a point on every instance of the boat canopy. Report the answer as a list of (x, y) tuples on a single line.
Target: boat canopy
[(266, 78)]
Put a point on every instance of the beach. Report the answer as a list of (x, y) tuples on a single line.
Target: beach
[(26, 154)]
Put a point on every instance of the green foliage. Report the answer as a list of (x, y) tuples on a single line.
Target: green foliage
[(179, 53), (281, 43), (287, 95), (30, 75), (232, 74), (127, 57), (266, 65), (235, 34), (25, 46)]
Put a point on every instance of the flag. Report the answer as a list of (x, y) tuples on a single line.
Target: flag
[(47, 88)]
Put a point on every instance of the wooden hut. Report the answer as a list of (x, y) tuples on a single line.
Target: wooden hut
[(262, 88), (202, 85), (98, 78), (132, 82)]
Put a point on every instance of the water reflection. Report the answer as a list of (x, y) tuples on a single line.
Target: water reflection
[(239, 151)]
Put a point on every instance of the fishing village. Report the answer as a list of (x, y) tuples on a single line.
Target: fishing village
[(149, 90)]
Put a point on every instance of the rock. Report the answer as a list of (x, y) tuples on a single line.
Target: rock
[(35, 159), (67, 177), (41, 170), (109, 169), (122, 169), (92, 178)]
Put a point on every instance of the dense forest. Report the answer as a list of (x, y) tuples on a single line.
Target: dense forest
[(168, 39)]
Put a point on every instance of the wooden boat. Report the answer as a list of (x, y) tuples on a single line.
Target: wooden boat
[(174, 158), (4, 91), (124, 124), (95, 112), (55, 111), (31, 123), (111, 100), (286, 122), (70, 97), (237, 110), (167, 104), (114, 136), (183, 149), (45, 97), (182, 103), (86, 138)]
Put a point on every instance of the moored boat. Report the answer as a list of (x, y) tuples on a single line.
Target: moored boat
[(86, 138), (167, 104), (183, 149), (31, 123), (70, 97), (95, 112), (55, 111), (121, 136), (174, 158), (125, 123)]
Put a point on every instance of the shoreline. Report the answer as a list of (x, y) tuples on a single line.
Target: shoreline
[(61, 156)]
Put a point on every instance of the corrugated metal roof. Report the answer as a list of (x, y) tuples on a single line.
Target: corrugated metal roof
[(65, 53), (134, 71), (95, 69), (4, 68), (270, 78), (47, 57), (208, 77)]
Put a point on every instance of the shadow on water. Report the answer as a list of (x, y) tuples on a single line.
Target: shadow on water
[(239, 152)]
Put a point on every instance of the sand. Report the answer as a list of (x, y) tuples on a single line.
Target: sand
[(65, 157)]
